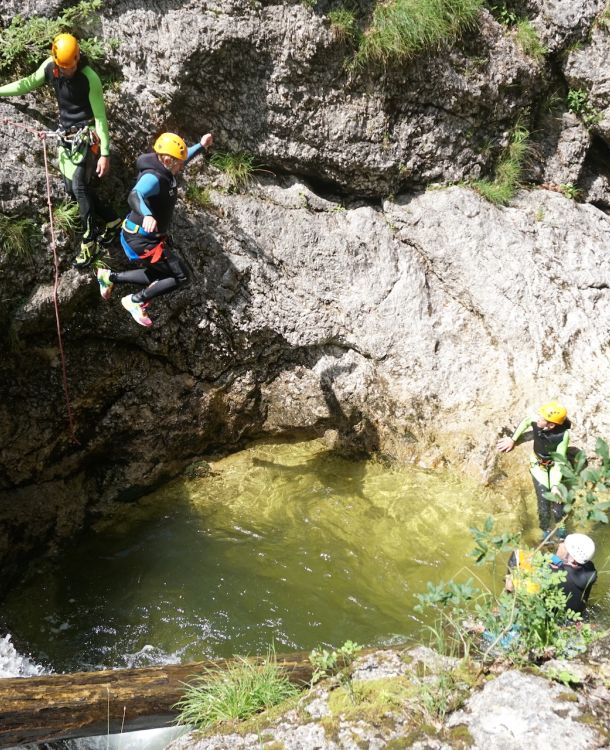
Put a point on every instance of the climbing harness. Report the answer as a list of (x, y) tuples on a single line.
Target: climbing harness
[(42, 135), (76, 140)]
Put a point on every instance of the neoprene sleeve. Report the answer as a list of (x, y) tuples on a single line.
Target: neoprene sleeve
[(27, 84), (96, 99), (523, 425)]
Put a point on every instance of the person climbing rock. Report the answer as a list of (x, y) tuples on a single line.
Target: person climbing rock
[(84, 148), (145, 233), (551, 432), (573, 556)]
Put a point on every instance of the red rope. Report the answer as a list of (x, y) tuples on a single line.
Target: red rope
[(42, 135)]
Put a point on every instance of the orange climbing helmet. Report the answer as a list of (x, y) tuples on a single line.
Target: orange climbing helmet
[(553, 412), (65, 50), (172, 145)]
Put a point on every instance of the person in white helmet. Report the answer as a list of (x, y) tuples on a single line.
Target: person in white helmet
[(574, 556)]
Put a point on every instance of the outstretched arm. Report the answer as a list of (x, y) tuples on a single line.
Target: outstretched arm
[(27, 84), (205, 142), (506, 444)]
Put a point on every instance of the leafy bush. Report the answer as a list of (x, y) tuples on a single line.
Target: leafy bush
[(25, 43), (502, 189), (403, 28), (238, 692)]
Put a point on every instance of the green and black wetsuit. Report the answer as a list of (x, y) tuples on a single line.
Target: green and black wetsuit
[(545, 473), (81, 108)]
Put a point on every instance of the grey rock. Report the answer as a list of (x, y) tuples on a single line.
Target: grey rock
[(562, 22), (299, 108), (565, 165), (523, 712)]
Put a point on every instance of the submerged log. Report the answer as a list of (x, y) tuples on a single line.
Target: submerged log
[(84, 704)]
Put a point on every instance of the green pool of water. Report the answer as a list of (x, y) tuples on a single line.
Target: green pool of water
[(284, 543)]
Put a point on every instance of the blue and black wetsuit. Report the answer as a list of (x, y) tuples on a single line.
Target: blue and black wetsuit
[(154, 194)]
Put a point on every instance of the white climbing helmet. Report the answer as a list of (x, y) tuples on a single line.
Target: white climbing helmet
[(580, 546)]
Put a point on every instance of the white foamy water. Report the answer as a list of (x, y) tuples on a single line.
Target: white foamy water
[(13, 664)]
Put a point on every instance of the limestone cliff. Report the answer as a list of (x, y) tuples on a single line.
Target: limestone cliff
[(336, 292)]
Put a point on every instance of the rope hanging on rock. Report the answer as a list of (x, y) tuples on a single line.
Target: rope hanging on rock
[(42, 136)]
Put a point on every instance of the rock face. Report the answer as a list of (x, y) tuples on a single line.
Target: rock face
[(334, 293)]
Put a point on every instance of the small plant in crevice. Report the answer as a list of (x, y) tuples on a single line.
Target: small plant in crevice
[(344, 25), (504, 15), (199, 195), (18, 237), (25, 43), (336, 663), (578, 103), (239, 167), (241, 690), (569, 190), (603, 19), (509, 170), (527, 38)]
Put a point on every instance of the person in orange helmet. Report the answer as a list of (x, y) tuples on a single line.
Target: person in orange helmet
[(85, 142), (551, 433), (145, 235)]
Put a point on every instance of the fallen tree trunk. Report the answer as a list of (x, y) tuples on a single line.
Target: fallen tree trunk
[(84, 704)]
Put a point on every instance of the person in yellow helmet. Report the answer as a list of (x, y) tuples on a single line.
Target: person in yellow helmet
[(145, 233), (84, 149), (551, 434)]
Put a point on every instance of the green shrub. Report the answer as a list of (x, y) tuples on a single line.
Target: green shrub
[(344, 25), (18, 236), (238, 692), (403, 28), (509, 170), (25, 43), (527, 38)]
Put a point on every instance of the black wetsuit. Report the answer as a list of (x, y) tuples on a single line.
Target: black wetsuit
[(578, 584)]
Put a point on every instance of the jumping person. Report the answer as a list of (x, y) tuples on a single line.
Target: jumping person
[(144, 236), (551, 429), (84, 148)]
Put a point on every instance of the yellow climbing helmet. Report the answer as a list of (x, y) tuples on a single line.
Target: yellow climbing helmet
[(553, 412), (172, 145), (65, 50)]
